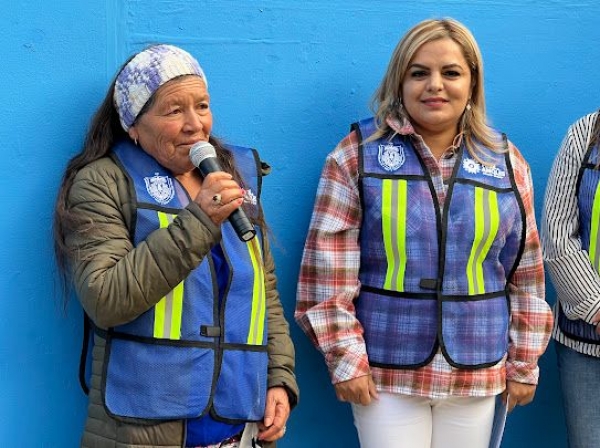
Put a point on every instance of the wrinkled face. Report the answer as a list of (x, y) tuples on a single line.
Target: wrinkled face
[(178, 117), (436, 87)]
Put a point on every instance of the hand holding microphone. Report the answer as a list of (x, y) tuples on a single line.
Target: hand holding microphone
[(204, 157)]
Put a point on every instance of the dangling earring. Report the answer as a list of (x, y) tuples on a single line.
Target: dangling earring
[(465, 119), (135, 141)]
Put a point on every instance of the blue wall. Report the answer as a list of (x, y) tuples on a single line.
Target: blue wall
[(286, 77)]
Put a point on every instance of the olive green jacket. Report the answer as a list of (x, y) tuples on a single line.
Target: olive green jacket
[(116, 282)]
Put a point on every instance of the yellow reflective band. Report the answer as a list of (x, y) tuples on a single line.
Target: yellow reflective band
[(393, 221), (487, 222), (594, 253), (257, 316), (168, 311)]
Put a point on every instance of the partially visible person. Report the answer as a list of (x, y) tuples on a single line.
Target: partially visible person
[(190, 339), (571, 246), (422, 277)]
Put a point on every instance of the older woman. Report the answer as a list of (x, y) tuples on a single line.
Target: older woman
[(422, 278), (190, 338)]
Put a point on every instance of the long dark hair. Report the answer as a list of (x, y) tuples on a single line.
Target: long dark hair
[(104, 131)]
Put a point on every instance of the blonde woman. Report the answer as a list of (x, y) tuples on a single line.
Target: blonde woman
[(422, 276)]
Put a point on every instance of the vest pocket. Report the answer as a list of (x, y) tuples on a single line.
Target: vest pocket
[(399, 332), (156, 381), (242, 386), (475, 332)]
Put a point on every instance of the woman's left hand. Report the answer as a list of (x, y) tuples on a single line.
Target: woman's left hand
[(277, 411), (518, 394)]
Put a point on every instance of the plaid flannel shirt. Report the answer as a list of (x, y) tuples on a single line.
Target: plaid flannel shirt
[(328, 285)]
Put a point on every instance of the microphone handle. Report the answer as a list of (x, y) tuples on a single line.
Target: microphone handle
[(209, 165), (242, 225)]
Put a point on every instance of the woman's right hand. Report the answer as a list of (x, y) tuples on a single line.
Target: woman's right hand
[(219, 196)]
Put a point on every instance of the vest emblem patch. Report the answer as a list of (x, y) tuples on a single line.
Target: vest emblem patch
[(160, 188), (473, 167), (391, 157)]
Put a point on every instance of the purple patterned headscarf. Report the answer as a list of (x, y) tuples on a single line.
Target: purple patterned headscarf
[(145, 73)]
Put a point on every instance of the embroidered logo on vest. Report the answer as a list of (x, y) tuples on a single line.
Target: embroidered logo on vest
[(391, 157), (473, 167), (160, 188), (249, 197)]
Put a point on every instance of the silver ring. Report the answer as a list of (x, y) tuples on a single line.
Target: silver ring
[(217, 199)]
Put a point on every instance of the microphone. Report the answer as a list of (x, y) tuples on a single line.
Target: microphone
[(204, 157)]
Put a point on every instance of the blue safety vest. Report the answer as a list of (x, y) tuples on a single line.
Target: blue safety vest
[(434, 277), (588, 201), (192, 353)]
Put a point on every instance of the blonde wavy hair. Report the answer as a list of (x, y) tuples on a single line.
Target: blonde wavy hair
[(387, 100)]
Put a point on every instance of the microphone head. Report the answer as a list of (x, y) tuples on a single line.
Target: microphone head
[(201, 151)]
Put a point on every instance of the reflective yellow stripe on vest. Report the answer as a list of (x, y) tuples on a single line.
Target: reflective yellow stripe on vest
[(487, 221), (393, 219), (594, 252), (167, 312), (257, 318)]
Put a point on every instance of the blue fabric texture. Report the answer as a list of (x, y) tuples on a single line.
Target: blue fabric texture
[(150, 380), (206, 430), (579, 378)]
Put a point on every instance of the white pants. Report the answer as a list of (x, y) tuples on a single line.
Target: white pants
[(402, 421)]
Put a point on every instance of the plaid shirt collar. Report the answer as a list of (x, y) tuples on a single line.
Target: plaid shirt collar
[(400, 126)]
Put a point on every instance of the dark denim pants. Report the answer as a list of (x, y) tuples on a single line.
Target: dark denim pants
[(580, 383)]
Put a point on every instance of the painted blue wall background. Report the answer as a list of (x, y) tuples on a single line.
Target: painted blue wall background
[(286, 77)]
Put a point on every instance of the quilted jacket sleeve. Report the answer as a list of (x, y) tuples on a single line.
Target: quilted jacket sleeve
[(115, 281), (280, 346)]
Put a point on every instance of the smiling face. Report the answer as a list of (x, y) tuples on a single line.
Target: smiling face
[(437, 87), (178, 117)]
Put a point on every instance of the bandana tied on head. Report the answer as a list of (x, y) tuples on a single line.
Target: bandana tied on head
[(145, 73)]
